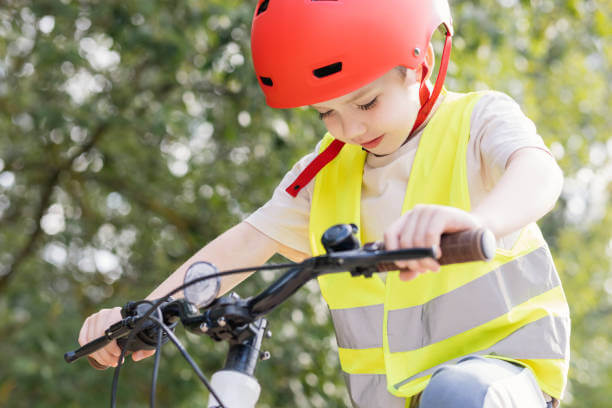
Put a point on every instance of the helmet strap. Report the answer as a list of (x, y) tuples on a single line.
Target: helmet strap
[(428, 100), (424, 93)]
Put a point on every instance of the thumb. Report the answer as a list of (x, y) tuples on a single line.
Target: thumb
[(460, 221)]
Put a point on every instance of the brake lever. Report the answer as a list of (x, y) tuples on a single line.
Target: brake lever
[(145, 339)]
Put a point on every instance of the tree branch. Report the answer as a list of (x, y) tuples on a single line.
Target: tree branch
[(45, 199), (183, 224)]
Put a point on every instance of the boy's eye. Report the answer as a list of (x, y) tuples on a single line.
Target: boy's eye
[(368, 105), (323, 115)]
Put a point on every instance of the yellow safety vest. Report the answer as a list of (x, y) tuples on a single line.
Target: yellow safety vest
[(393, 335)]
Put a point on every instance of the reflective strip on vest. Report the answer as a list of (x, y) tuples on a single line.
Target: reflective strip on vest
[(523, 344), (370, 390), (463, 309), (452, 313), (359, 327)]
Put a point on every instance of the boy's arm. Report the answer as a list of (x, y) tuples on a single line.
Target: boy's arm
[(527, 190), (240, 246)]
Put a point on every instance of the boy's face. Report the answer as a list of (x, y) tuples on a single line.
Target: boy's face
[(378, 116)]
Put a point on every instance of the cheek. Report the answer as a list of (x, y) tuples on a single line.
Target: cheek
[(397, 116), (400, 109), (406, 114), (333, 127)]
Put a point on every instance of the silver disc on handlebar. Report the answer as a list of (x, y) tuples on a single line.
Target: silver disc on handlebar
[(204, 292)]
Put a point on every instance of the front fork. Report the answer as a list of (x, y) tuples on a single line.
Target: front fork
[(236, 384)]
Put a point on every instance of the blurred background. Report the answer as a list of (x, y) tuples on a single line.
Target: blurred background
[(134, 132)]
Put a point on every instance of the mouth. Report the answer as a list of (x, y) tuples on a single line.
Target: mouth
[(373, 143)]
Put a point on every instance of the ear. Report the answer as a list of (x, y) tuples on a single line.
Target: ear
[(430, 59)]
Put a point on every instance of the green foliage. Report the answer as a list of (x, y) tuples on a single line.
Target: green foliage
[(134, 132)]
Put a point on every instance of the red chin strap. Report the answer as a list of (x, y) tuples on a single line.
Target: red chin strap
[(427, 103)]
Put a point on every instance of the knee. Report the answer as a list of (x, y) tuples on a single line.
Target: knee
[(451, 386)]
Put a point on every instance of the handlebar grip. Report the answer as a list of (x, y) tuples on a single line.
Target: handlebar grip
[(467, 246), (457, 247)]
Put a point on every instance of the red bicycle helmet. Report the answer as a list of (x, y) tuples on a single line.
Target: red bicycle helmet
[(310, 51)]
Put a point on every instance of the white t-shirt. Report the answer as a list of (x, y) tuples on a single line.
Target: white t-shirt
[(498, 128)]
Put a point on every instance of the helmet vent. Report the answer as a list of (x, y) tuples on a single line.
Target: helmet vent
[(328, 70), (263, 7), (266, 81)]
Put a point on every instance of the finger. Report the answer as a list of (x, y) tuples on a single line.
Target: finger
[(142, 354), (107, 358), (94, 363), (83, 333), (426, 234), (113, 353), (113, 348), (430, 265), (408, 275), (405, 241), (407, 232), (392, 233), (103, 356), (436, 227), (460, 220), (84, 338), (99, 356), (427, 264), (424, 265), (115, 312)]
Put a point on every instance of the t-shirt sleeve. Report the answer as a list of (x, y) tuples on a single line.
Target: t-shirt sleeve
[(499, 128), (285, 218)]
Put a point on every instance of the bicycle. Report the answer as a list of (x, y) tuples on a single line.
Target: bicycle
[(240, 322)]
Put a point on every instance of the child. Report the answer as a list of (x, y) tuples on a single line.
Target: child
[(405, 163)]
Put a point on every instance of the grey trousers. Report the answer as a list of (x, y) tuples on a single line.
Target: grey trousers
[(478, 382)]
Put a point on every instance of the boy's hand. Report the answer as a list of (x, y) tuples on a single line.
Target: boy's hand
[(94, 327), (422, 227)]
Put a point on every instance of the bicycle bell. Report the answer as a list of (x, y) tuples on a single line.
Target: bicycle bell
[(340, 237)]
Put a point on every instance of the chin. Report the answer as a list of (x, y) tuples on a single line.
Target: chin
[(384, 150)]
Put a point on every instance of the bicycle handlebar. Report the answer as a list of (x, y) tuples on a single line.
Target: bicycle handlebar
[(465, 246), (240, 321), (459, 247)]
